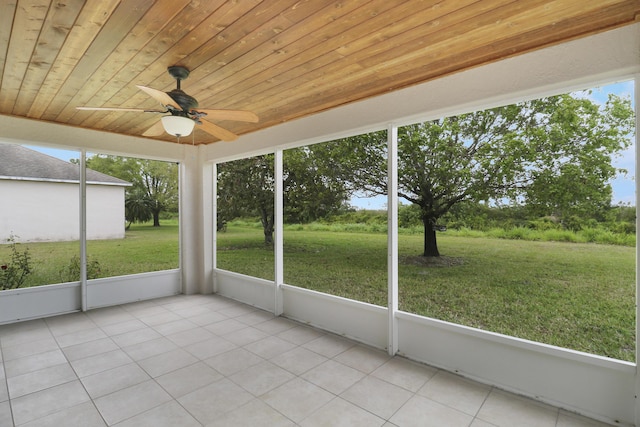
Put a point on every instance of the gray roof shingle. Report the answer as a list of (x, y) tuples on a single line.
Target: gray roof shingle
[(18, 162)]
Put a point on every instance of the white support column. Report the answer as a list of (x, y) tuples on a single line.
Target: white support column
[(279, 238), (637, 162), (392, 236), (208, 225), (214, 243), (191, 222), (83, 228)]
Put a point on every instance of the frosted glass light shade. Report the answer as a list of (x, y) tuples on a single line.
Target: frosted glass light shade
[(177, 125)]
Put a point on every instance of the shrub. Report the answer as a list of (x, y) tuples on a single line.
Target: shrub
[(71, 272), (14, 272)]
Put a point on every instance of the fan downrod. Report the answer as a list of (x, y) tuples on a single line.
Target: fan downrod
[(186, 102)]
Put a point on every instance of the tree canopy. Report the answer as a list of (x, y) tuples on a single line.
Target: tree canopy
[(312, 190), (552, 155), (154, 189)]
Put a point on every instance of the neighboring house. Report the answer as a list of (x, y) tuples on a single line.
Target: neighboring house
[(39, 199)]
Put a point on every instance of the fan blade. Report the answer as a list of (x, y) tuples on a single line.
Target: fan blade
[(160, 96), (217, 131), (138, 110), (237, 115), (156, 130)]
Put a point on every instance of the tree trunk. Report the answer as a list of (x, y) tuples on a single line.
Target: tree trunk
[(267, 226), (268, 237), (156, 218), (430, 243)]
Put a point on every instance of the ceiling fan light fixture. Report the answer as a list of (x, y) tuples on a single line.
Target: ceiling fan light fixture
[(178, 125)]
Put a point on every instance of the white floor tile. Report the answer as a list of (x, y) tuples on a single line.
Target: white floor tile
[(404, 373), (297, 399), (362, 358), (209, 348), (422, 412), (455, 391), (209, 403), (190, 336), (23, 332), (82, 415), (175, 327), (206, 319), (261, 378), (80, 337), (567, 419), (300, 335), (256, 413), (160, 318), (504, 410), (109, 315), (276, 325), (42, 403), (225, 327), (34, 362), (169, 414), (29, 348), (167, 362), (80, 351), (119, 328), (479, 423), (113, 380), (135, 336), (298, 360), (255, 317), (233, 361), (340, 413), (247, 335), (149, 348), (6, 418), (377, 396), (188, 379), (270, 347), (4, 391), (39, 380), (333, 376), (329, 345), (131, 401), (100, 363), (69, 323)]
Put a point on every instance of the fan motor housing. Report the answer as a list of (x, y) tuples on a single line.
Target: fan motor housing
[(186, 102)]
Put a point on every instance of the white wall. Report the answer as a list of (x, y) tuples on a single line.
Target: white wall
[(35, 211), (105, 212)]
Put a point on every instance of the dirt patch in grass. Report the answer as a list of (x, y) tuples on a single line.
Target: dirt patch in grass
[(424, 261)]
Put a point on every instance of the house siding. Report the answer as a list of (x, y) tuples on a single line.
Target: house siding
[(40, 211)]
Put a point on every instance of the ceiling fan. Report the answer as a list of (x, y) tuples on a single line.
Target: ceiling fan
[(182, 114)]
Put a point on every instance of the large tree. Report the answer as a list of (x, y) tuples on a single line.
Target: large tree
[(155, 185), (553, 153), (246, 188), (312, 190)]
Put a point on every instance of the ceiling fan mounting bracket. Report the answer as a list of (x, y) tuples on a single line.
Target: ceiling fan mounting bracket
[(178, 72)]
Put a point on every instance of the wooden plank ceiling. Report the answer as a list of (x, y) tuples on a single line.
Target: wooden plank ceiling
[(281, 59)]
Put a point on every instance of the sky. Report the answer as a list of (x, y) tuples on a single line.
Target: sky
[(623, 185)]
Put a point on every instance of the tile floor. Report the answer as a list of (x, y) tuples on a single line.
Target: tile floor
[(209, 361)]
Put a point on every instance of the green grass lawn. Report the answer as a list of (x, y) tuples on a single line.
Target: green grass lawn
[(579, 296), (144, 248)]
